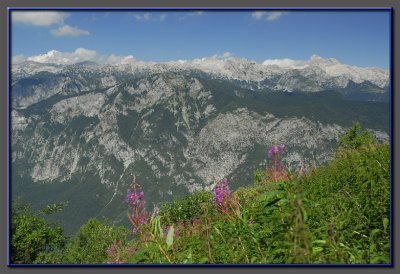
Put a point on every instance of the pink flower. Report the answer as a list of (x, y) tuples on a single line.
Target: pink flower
[(272, 151), (138, 215), (276, 164), (275, 150), (142, 221), (221, 192)]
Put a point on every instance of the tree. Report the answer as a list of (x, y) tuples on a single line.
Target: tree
[(31, 235), (355, 139)]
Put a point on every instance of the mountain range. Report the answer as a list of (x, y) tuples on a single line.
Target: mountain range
[(79, 132)]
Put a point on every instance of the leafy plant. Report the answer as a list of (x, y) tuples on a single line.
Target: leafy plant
[(354, 138), (31, 236), (90, 244)]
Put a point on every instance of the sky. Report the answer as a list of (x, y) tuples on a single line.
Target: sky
[(360, 38)]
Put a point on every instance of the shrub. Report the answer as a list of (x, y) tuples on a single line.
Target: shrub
[(187, 208), (31, 236), (90, 244), (355, 139), (351, 205)]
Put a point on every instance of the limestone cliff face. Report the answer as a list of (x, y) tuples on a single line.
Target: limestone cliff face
[(83, 141)]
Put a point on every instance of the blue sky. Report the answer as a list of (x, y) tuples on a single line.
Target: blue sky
[(360, 38)]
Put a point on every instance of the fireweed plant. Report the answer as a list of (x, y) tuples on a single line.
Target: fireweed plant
[(147, 229), (221, 193), (276, 169), (138, 214), (118, 252), (224, 200)]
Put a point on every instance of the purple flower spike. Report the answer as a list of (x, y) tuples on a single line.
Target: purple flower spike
[(221, 192), (135, 199), (272, 151), (276, 164)]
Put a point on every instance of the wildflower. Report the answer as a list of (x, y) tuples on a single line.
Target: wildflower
[(136, 203), (276, 165), (117, 253), (221, 192), (272, 151), (142, 221), (250, 221), (112, 249), (155, 210), (129, 196)]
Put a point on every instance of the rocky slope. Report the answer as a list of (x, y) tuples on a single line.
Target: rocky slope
[(79, 133)]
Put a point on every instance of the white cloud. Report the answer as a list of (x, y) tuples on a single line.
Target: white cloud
[(79, 55), (144, 17), (191, 14), (38, 18), (17, 59), (285, 63), (67, 30), (274, 15), (147, 16), (45, 19), (268, 15), (258, 14), (116, 59), (225, 55), (57, 57)]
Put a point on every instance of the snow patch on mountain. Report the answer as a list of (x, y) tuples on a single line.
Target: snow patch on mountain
[(332, 68), (315, 74)]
